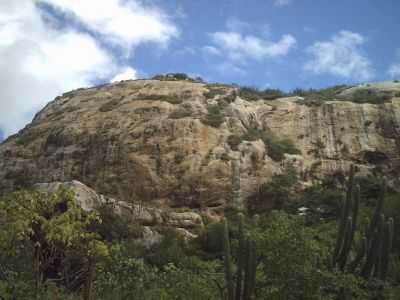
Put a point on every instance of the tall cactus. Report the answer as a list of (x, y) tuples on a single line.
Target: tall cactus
[(347, 223), (241, 259), (227, 261), (386, 249), (246, 266), (374, 250)]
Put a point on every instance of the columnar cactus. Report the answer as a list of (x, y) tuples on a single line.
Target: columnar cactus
[(237, 201), (227, 261), (374, 248), (246, 265), (347, 224)]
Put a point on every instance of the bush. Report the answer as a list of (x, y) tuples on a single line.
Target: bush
[(253, 94), (175, 77), (370, 96), (173, 99), (110, 105), (180, 114), (211, 238), (325, 94), (289, 260), (214, 118), (276, 147), (276, 193), (234, 141), (214, 91)]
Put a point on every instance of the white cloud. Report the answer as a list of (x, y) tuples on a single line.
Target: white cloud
[(282, 2), (40, 60), (125, 23), (342, 56), (185, 51), (210, 50), (235, 24), (239, 46), (394, 71), (126, 74), (229, 69)]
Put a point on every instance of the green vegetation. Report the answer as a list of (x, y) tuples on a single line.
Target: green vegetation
[(173, 99), (277, 191), (51, 249), (234, 141), (370, 96), (180, 113), (246, 93), (214, 91), (176, 77), (254, 94), (276, 147), (313, 97), (110, 105), (215, 116), (25, 137)]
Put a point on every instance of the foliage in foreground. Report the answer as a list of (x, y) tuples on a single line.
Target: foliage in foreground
[(51, 249)]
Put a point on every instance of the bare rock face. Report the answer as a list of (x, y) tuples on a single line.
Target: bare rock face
[(165, 142)]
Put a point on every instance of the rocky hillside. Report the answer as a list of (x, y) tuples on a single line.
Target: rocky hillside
[(184, 143)]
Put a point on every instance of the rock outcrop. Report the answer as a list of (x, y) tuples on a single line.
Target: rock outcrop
[(149, 218), (165, 142)]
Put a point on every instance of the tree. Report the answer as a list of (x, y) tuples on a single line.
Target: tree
[(47, 229)]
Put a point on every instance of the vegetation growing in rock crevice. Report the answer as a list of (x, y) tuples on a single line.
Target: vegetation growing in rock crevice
[(214, 117), (276, 147)]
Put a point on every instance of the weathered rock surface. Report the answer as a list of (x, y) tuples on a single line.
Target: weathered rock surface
[(148, 217), (151, 141)]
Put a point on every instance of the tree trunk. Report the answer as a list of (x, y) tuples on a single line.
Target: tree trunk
[(89, 280)]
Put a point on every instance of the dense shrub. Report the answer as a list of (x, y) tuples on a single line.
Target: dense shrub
[(234, 141), (180, 113), (254, 94), (275, 194), (210, 238), (173, 99), (110, 105), (214, 91), (276, 147), (214, 118), (176, 77), (370, 96)]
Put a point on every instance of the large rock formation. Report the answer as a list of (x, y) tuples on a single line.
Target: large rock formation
[(150, 218), (165, 142)]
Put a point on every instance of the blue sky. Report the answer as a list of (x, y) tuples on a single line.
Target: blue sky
[(52, 46), (308, 21)]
